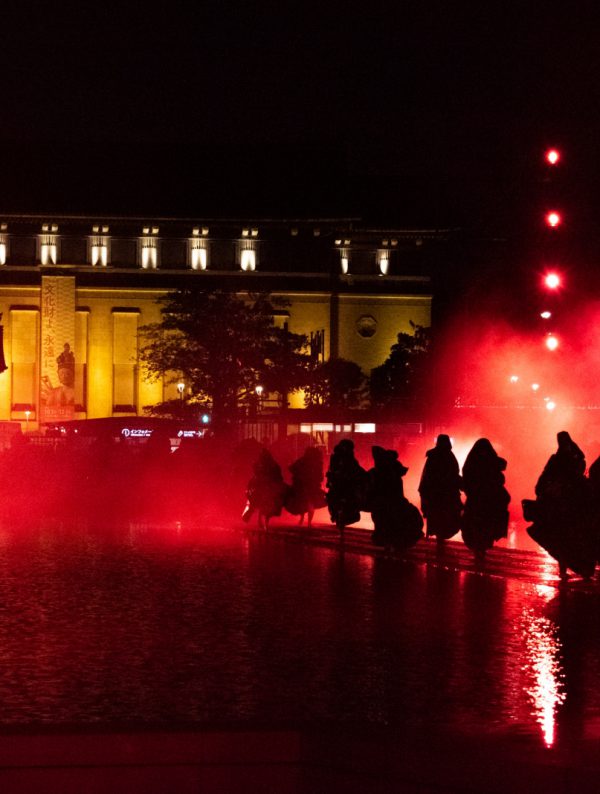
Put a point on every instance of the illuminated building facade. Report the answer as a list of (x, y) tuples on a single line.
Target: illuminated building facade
[(75, 290)]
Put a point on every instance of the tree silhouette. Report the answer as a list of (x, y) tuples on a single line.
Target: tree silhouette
[(222, 345), (398, 383)]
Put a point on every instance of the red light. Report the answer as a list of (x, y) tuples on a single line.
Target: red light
[(553, 219), (552, 280), (551, 342), (552, 156)]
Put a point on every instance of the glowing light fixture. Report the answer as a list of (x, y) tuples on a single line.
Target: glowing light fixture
[(546, 315), (553, 219), (259, 390), (535, 386), (552, 280), (550, 405), (551, 342), (552, 156), (205, 419), (383, 261), (514, 378)]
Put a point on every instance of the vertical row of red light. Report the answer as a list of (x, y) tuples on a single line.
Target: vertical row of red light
[(552, 278)]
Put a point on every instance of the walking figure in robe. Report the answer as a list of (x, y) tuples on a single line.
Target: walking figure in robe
[(485, 517), (306, 495), (266, 490), (439, 489), (397, 523), (563, 524), (345, 485)]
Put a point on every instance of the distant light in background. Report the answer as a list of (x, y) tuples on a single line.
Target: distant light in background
[(535, 386), (546, 315), (550, 405), (514, 378), (551, 342), (553, 219), (552, 156), (552, 280)]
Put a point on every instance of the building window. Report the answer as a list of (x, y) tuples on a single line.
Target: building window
[(148, 248), (344, 249), (3, 244), (247, 254), (198, 249), (125, 352), (48, 244), (98, 246), (383, 261), (345, 260)]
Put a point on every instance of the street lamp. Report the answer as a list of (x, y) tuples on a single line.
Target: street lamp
[(180, 389)]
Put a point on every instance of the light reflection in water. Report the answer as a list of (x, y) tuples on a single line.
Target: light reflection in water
[(546, 687)]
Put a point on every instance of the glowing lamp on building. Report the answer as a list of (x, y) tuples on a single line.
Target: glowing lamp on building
[(553, 219), (383, 262), (551, 342), (552, 156)]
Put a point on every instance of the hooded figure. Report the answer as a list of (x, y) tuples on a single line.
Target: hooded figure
[(562, 524), (266, 490), (397, 523), (306, 495), (440, 490), (345, 485), (485, 518)]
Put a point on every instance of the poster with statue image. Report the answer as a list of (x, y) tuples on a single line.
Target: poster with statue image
[(57, 377)]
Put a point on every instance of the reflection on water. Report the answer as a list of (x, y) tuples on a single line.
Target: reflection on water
[(165, 627), (543, 667)]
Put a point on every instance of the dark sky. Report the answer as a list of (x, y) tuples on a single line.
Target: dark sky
[(428, 113)]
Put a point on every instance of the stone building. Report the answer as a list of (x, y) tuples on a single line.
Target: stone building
[(83, 286)]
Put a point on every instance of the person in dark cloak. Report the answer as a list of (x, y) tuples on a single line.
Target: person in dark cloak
[(397, 523), (346, 480), (562, 521), (485, 516), (439, 489), (306, 495), (266, 490)]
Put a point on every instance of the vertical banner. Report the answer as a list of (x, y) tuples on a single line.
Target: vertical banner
[(57, 376)]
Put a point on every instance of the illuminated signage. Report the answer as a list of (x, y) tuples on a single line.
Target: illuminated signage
[(136, 432)]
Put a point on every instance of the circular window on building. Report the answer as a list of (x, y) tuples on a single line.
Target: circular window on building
[(366, 325)]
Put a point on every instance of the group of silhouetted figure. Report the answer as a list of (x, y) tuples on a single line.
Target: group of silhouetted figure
[(565, 515)]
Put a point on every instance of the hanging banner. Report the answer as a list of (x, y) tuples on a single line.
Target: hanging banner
[(57, 377)]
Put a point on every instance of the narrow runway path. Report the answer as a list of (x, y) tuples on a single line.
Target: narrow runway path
[(529, 566)]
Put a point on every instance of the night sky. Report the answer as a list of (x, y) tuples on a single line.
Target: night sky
[(433, 114)]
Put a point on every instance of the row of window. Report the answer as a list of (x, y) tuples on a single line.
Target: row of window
[(148, 248)]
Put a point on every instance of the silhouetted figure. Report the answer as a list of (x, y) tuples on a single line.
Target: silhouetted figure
[(306, 495), (397, 523), (594, 504), (561, 513), (440, 490), (345, 485), (485, 517), (266, 490)]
